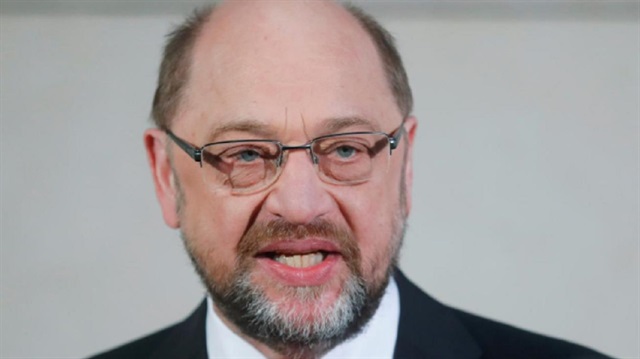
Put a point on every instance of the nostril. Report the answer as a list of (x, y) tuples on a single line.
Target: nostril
[(299, 195)]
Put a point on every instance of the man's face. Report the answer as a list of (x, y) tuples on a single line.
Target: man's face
[(314, 256)]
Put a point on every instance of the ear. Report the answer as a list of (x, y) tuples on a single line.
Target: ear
[(411, 126), (154, 142)]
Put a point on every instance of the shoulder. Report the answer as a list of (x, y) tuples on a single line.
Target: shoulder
[(422, 317), (183, 340), (140, 348), (499, 340)]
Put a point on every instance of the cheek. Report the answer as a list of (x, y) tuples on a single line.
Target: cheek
[(213, 222), (371, 211)]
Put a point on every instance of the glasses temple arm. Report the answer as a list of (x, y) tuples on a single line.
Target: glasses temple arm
[(192, 151), (394, 138)]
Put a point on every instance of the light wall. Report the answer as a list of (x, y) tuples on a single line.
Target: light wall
[(526, 184)]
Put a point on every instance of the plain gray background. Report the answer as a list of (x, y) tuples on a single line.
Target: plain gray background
[(526, 189)]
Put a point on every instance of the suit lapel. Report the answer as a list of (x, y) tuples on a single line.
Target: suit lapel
[(429, 329), (187, 340)]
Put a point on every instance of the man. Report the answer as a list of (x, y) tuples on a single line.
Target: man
[(283, 153)]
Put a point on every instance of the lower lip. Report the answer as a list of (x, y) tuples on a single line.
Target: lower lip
[(315, 275)]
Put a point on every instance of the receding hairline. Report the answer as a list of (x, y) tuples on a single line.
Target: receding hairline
[(191, 31), (175, 67)]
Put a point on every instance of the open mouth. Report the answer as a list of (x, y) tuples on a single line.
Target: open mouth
[(298, 260), (299, 253), (301, 262)]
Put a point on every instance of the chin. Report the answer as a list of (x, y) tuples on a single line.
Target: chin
[(304, 302)]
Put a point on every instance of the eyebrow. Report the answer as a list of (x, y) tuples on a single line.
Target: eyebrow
[(251, 126), (336, 125), (262, 130)]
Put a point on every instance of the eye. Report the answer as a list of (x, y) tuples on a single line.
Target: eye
[(248, 155), (342, 148), (345, 151)]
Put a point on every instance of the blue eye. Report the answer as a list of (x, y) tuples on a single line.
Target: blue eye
[(345, 151), (248, 155)]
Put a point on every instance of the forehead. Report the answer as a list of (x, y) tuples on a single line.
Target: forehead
[(286, 62)]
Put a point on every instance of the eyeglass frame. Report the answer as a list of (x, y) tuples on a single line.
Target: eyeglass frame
[(196, 152)]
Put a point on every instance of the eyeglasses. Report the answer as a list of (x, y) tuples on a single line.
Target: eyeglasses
[(248, 166)]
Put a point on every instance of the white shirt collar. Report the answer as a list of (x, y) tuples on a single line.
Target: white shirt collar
[(377, 339)]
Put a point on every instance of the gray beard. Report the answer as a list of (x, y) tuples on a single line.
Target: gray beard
[(286, 331)]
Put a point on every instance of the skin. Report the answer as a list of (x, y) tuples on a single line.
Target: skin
[(287, 71)]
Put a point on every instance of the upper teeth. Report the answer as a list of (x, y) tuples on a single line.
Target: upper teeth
[(300, 260)]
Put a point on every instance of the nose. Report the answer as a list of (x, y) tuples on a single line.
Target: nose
[(299, 196)]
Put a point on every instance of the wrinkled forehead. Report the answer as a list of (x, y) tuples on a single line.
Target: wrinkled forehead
[(308, 60)]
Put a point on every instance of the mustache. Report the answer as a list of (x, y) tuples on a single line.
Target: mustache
[(260, 235)]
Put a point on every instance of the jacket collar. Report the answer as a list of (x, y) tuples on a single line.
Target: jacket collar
[(187, 339), (429, 329)]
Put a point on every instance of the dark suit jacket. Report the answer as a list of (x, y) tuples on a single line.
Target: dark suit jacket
[(428, 329)]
